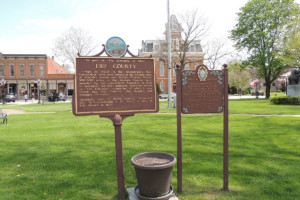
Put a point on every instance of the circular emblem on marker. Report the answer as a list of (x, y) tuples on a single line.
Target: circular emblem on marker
[(115, 47), (202, 73)]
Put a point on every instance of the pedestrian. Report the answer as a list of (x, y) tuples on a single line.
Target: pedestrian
[(25, 97)]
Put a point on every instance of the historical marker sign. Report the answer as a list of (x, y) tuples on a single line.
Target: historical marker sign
[(202, 90), (107, 85)]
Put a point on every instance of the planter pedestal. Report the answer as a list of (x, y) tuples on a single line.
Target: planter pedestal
[(154, 172)]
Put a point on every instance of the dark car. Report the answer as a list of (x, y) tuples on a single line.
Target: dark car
[(10, 97), (258, 93), (57, 97)]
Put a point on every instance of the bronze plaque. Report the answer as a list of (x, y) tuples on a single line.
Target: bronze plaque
[(114, 86), (202, 90)]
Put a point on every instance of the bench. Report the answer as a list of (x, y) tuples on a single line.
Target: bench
[(3, 116)]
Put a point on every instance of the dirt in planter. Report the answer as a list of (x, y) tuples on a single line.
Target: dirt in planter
[(152, 161)]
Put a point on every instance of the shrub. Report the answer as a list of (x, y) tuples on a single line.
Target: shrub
[(286, 100), (158, 89)]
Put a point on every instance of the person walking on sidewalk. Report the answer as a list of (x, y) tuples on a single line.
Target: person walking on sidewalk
[(25, 97)]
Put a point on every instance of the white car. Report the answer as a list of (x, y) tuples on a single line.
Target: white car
[(165, 95)]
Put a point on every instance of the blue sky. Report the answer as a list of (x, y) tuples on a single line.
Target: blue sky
[(30, 26)]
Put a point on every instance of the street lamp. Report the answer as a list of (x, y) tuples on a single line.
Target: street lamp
[(39, 82), (2, 83)]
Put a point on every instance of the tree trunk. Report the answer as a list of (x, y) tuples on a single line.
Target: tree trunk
[(268, 90)]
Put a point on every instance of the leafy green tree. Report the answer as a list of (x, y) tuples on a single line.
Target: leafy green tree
[(290, 45), (261, 25), (238, 77)]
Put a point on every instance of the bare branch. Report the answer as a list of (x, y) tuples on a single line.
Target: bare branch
[(70, 43), (216, 53)]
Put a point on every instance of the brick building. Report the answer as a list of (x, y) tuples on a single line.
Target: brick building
[(21, 72), (158, 50)]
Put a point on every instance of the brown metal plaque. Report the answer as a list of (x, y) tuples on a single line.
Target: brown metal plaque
[(202, 90), (114, 86)]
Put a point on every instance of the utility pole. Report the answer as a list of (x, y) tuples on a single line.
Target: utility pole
[(169, 61)]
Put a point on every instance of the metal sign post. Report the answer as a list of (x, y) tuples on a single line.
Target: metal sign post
[(115, 87), (225, 131), (179, 129), (202, 91)]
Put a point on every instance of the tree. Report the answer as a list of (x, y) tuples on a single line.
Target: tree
[(195, 27), (259, 29), (215, 52), (290, 45), (72, 42), (238, 77)]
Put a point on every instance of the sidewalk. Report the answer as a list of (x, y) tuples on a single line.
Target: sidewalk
[(22, 102)]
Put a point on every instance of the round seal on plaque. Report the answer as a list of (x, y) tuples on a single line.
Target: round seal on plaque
[(115, 47), (202, 73)]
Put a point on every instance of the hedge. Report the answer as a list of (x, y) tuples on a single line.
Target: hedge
[(286, 100)]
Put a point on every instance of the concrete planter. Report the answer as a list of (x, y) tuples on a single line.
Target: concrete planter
[(154, 172)]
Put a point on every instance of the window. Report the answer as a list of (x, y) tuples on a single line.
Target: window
[(22, 71), (149, 47), (177, 44), (192, 48), (273, 84), (187, 66), (42, 70), (198, 48), (31, 67), (162, 69), (162, 86), (1, 70), (11, 70)]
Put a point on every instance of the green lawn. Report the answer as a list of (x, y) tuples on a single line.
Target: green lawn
[(61, 156)]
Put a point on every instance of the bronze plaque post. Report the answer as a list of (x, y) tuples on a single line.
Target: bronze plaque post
[(106, 85), (179, 129), (202, 91), (226, 131), (115, 88)]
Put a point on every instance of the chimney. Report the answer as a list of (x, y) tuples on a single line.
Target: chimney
[(52, 57)]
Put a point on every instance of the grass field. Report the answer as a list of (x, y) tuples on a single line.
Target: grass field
[(60, 156)]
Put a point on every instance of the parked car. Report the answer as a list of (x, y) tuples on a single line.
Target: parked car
[(56, 97), (165, 95), (258, 93), (10, 97), (61, 96)]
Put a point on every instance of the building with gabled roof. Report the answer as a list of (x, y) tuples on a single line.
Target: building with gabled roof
[(158, 50)]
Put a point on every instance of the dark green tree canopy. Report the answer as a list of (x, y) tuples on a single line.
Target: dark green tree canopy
[(260, 28)]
